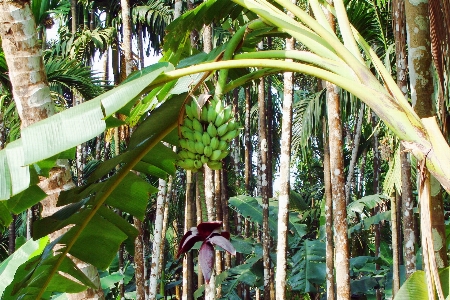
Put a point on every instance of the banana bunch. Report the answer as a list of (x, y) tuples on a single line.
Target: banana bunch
[(206, 134)]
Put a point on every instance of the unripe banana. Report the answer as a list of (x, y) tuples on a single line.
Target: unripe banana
[(215, 155), (190, 154), (229, 135), (206, 139), (218, 107), (197, 125), (214, 165), (214, 143), (191, 146), (223, 145), (183, 154), (187, 164), (189, 111), (221, 130), (223, 154), (227, 111), (183, 143), (211, 112), (204, 114), (198, 136), (194, 110), (187, 133), (207, 151), (199, 147), (219, 119), (212, 130), (204, 159), (198, 164), (188, 123), (232, 125)]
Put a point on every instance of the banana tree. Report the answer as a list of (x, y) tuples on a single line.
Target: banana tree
[(42, 143)]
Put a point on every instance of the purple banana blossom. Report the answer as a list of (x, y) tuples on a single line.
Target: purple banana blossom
[(210, 233)]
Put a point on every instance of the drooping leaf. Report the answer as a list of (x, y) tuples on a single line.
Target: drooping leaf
[(415, 287)]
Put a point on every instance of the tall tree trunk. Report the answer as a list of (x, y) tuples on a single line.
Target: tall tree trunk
[(188, 265), (376, 190), (73, 13), (409, 241), (139, 261), (285, 174), (157, 239), (32, 96), (342, 257), (127, 36), (264, 185), (421, 84), (140, 42), (328, 214), (351, 169), (395, 241)]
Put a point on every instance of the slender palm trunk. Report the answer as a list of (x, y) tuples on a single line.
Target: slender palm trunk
[(33, 102), (283, 198), (351, 168), (127, 35), (264, 186), (138, 260), (157, 238), (395, 241), (188, 265), (328, 214), (342, 265), (409, 241), (421, 84)]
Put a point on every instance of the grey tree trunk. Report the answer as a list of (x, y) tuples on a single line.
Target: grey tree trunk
[(421, 84), (264, 186), (285, 170), (342, 255), (409, 241), (32, 96)]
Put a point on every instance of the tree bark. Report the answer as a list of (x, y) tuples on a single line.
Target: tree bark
[(32, 96), (285, 174), (139, 262), (342, 257), (127, 36), (421, 84), (264, 185), (188, 265), (157, 239), (328, 214), (409, 241)]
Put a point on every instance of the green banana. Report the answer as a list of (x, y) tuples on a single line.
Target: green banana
[(218, 107), (223, 154), (219, 119), (191, 155), (198, 136), (206, 139), (212, 130), (199, 147), (221, 130), (187, 133), (207, 151), (197, 125), (211, 116), (215, 155), (214, 143), (227, 111), (232, 125), (198, 164), (191, 146), (194, 110), (183, 143), (189, 113), (223, 145), (204, 114), (183, 154), (214, 165), (188, 123), (204, 159), (187, 164), (229, 135)]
